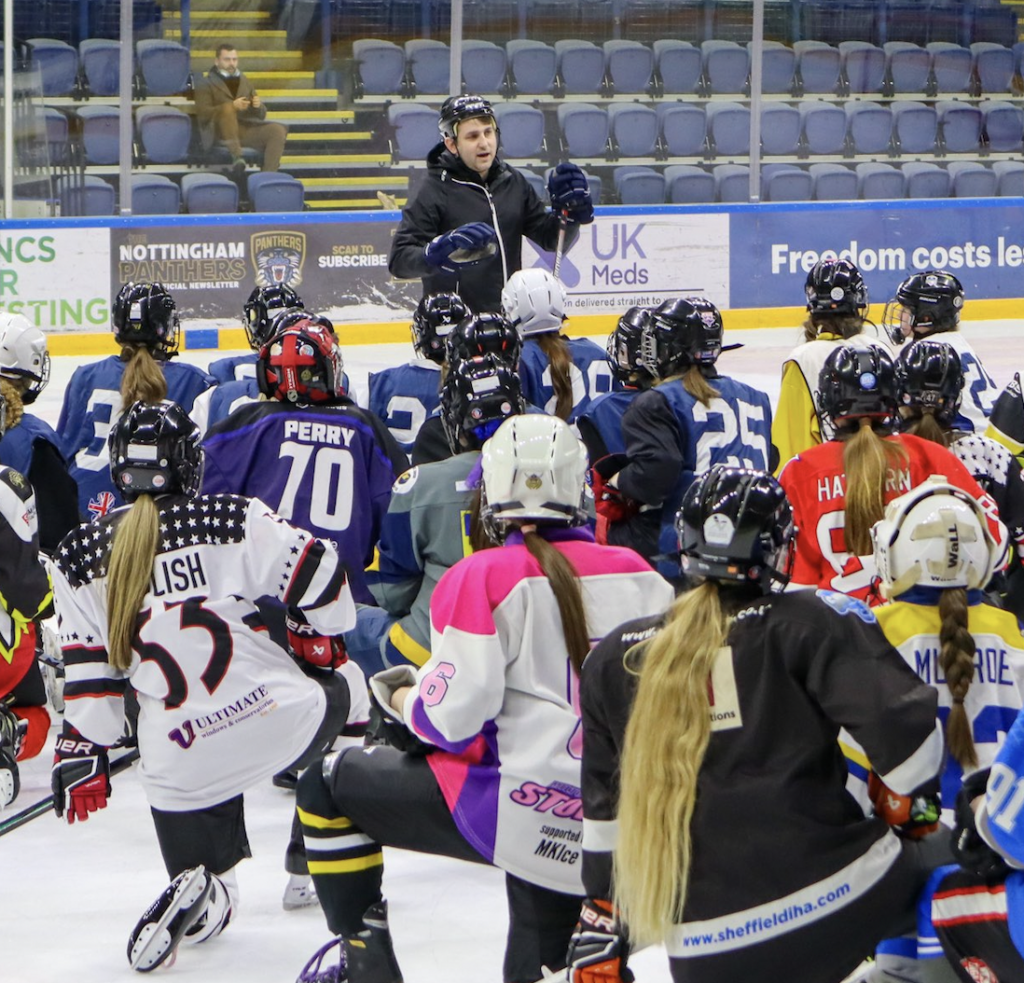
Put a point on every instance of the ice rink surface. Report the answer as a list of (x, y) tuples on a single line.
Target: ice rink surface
[(72, 894)]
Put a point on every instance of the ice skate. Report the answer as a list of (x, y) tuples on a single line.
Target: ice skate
[(299, 893), (12, 732), (366, 957), (162, 927)]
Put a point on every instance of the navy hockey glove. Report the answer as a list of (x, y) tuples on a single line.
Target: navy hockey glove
[(80, 777), (386, 726), (307, 644), (970, 850), (465, 246), (598, 949), (911, 816), (570, 194)]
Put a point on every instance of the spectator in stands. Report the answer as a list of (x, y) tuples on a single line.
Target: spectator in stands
[(447, 234), (230, 109)]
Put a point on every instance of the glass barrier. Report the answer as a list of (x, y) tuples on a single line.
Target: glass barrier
[(658, 100)]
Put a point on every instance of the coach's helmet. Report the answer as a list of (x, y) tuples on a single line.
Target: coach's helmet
[(681, 333), (835, 286), (936, 535), (736, 524), (534, 302), (435, 317), (929, 376), (457, 109), (155, 449), (624, 348), (301, 364), (534, 470), (857, 382), (145, 314), (23, 355), (924, 304), (489, 333), (478, 395), (263, 308)]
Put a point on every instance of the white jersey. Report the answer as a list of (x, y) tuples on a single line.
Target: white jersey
[(221, 706), (980, 391)]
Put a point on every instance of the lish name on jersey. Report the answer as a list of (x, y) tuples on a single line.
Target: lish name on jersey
[(834, 486), (318, 433), (180, 573)]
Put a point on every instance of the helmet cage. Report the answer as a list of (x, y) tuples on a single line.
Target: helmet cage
[(144, 314), (932, 299), (625, 347), (929, 376), (301, 364), (681, 333), (262, 310), (435, 318), (24, 356), (484, 334)]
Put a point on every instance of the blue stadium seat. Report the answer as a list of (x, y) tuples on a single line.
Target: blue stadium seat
[(972, 180), (993, 66), (863, 66), (629, 66), (780, 128), (915, 127), (1004, 125), (678, 66), (164, 134), (580, 65), (961, 126), (732, 182), (951, 66), (880, 182), (429, 66), (687, 184), (778, 67), (726, 66), (522, 129), (1018, 52), (728, 128), (869, 127), (639, 185), (415, 128), (824, 126), (833, 182), (164, 66), (532, 66), (100, 128), (483, 66), (926, 180), (1009, 177), (583, 128), (58, 65), (819, 66), (56, 129), (786, 182), (684, 128), (908, 66), (155, 194), (633, 129), (379, 67), (209, 194), (275, 191), (101, 65), (85, 194)]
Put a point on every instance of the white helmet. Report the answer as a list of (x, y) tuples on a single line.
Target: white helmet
[(23, 354), (936, 535), (534, 301), (533, 469)]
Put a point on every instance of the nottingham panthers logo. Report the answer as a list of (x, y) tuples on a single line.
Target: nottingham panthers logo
[(278, 258)]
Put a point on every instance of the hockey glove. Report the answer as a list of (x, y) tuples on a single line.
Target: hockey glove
[(609, 502), (80, 777), (307, 644), (970, 850), (598, 949), (464, 246), (570, 194), (911, 816), (386, 726)]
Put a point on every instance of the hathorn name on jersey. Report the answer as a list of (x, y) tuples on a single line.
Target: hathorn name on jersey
[(834, 485), (171, 575), (318, 433)]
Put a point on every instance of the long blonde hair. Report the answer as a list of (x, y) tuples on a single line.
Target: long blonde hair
[(922, 423), (867, 461), (129, 571), (15, 405), (143, 377), (666, 739), (696, 384)]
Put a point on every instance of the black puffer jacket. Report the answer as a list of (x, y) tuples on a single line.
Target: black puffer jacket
[(454, 195)]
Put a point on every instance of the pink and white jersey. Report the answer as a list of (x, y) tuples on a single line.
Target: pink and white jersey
[(500, 698)]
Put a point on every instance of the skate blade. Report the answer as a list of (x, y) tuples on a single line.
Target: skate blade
[(155, 942)]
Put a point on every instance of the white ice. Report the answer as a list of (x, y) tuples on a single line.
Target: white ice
[(72, 894)]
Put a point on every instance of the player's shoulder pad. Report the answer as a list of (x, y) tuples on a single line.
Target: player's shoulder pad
[(17, 482), (844, 604), (405, 481)]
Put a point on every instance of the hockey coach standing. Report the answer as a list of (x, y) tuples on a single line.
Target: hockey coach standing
[(463, 230)]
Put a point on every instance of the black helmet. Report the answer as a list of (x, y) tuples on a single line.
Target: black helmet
[(835, 286), (155, 449), (144, 314), (931, 300), (857, 382), (262, 309), (436, 315), (624, 348), (489, 333), (477, 396), (681, 333), (736, 524), (929, 376), (455, 109)]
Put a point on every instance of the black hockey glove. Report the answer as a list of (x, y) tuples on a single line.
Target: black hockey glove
[(465, 246), (386, 726), (80, 777), (970, 850), (570, 194), (598, 949)]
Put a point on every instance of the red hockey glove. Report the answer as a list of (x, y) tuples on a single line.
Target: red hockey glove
[(598, 949), (912, 816), (80, 777), (325, 651), (609, 502)]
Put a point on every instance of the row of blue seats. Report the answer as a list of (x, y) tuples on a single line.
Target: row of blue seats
[(199, 193), (690, 129), (668, 66), (74, 20)]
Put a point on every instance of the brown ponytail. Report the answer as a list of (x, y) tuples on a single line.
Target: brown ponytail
[(15, 406), (924, 425), (956, 659), (143, 377), (556, 348), (697, 385), (129, 571), (844, 325), (867, 461)]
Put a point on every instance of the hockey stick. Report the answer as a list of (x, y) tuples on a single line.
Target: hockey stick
[(46, 805), (563, 223)]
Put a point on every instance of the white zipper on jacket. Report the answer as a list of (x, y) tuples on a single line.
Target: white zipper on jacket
[(494, 215)]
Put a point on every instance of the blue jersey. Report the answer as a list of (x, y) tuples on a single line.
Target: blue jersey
[(234, 368), (92, 402), (326, 469), (404, 396), (591, 375), (18, 442), (221, 401), (999, 820), (600, 425)]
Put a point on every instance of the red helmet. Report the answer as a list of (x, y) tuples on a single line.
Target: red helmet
[(302, 365)]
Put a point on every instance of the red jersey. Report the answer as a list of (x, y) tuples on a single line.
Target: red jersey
[(815, 484)]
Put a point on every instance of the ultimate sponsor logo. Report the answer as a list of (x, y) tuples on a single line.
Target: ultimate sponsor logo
[(257, 702), (278, 258)]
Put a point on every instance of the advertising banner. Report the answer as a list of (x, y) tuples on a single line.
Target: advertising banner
[(56, 277)]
